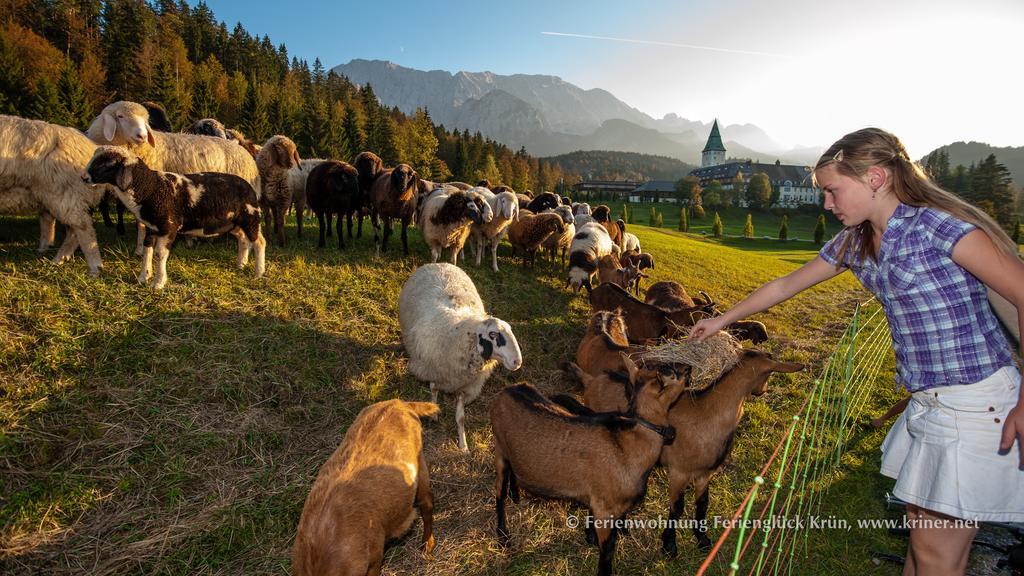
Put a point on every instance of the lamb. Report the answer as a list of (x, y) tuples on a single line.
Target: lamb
[(693, 459), (601, 461), (206, 204), (589, 245), (41, 166), (630, 243), (599, 348), (560, 243), (297, 177), (333, 189), (545, 201), (451, 341), (531, 230), (506, 211), (126, 124), (446, 219), (207, 127), (609, 270), (393, 195), (643, 321), (366, 493), (278, 155)]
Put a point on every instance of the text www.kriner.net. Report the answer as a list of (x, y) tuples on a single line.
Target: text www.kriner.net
[(773, 523)]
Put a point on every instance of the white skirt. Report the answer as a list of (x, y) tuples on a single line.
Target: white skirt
[(943, 451)]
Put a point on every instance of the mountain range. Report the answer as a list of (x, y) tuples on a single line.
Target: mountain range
[(549, 116)]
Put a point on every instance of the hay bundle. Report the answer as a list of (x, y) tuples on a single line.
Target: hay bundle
[(706, 360)]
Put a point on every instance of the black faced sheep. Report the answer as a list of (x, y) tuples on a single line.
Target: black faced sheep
[(451, 340), (167, 204), (489, 234)]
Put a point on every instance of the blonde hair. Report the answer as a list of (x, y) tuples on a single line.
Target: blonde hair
[(854, 153)]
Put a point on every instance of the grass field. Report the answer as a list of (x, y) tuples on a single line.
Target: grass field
[(179, 432)]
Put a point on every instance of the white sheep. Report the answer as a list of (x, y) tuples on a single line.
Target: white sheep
[(506, 210), (446, 219), (126, 124), (451, 341), (41, 173), (297, 176), (630, 243), (589, 245)]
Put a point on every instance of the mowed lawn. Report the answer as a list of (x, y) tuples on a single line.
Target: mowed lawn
[(179, 432)]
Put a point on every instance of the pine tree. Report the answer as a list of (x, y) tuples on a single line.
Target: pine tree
[(255, 120), (819, 230), (626, 216), (748, 227), (75, 109), (204, 103), (46, 103), (388, 142), (354, 133), (13, 90), (717, 227), (698, 211), (661, 221), (784, 228), (653, 216), (165, 92), (684, 222)]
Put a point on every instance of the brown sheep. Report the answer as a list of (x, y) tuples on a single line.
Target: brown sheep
[(273, 161), (460, 185), (563, 450), (394, 196), (332, 189), (643, 321), (599, 349), (531, 230), (367, 493), (694, 458)]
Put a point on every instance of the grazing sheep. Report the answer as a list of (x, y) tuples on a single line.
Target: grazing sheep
[(643, 321), (589, 245), (529, 232), (563, 450), (451, 341), (506, 210), (545, 201), (693, 459), (560, 243), (425, 190), (393, 195), (207, 127), (41, 173), (566, 201), (599, 348), (333, 189), (278, 155), (484, 183), (367, 493), (207, 204), (126, 124), (297, 177), (609, 270), (446, 219), (630, 243)]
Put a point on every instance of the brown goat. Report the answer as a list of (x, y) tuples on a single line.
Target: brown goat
[(643, 321), (668, 295), (531, 230), (367, 493), (609, 270), (600, 461), (672, 296), (599, 349), (642, 261), (710, 418), (393, 195)]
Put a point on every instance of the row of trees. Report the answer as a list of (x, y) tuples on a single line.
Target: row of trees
[(988, 185), (757, 192), (63, 60)]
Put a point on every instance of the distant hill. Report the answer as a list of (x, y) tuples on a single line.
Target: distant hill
[(967, 153), (609, 165)]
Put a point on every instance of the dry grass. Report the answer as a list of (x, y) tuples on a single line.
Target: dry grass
[(179, 432)]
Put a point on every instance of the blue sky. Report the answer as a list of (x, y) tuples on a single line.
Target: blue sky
[(806, 71)]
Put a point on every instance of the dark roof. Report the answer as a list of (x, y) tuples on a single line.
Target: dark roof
[(606, 184), (657, 186), (777, 173), (714, 140)]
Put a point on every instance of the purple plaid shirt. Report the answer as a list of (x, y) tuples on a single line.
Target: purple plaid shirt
[(943, 330)]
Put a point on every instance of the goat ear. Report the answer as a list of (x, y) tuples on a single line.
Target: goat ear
[(786, 367), (630, 366), (109, 126)]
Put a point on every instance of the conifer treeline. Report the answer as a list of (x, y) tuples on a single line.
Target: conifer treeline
[(63, 60), (988, 185)]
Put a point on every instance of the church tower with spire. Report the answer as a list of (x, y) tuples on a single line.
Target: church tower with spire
[(714, 151)]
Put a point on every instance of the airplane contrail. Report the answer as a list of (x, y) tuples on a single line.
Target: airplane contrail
[(670, 44)]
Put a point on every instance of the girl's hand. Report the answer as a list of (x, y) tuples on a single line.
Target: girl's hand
[(706, 327), (1013, 430)]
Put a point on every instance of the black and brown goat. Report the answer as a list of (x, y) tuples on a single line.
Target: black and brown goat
[(367, 493), (393, 195), (694, 458), (332, 189), (600, 461), (672, 296), (642, 261)]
